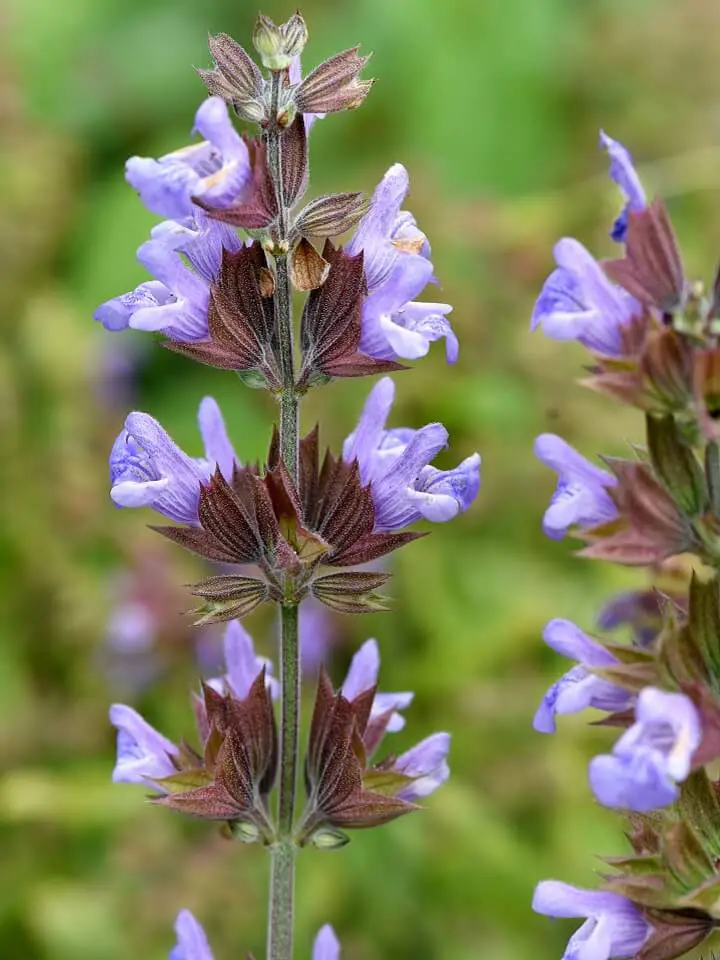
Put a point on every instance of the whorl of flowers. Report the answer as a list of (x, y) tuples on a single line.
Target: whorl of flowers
[(235, 242), (651, 334)]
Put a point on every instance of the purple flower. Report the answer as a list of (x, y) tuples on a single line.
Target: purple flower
[(578, 688), (426, 762), (625, 176), (638, 609), (242, 665), (327, 945), (316, 634), (581, 498), (143, 754), (148, 470), (192, 944), (363, 674), (578, 302), (614, 930), (405, 487), (394, 325), (216, 169), (652, 757), (176, 302)]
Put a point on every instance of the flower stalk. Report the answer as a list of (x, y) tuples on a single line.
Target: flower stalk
[(300, 524)]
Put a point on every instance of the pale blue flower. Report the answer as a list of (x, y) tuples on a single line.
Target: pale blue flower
[(581, 498), (578, 688), (614, 930), (622, 171), (396, 463), (578, 302), (652, 756), (395, 325), (147, 469)]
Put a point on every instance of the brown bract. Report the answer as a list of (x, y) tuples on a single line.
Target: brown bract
[(241, 323), (340, 510), (334, 85), (233, 778), (331, 215), (652, 269), (649, 527), (256, 207), (288, 532), (331, 324), (674, 933), (336, 763)]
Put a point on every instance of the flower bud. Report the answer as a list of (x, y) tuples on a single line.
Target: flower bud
[(277, 45)]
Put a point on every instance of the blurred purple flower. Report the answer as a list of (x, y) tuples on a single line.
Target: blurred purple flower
[(327, 945), (578, 302), (148, 470), (405, 487), (581, 498), (638, 609), (578, 688), (316, 634), (192, 942), (625, 176), (652, 757), (614, 930), (397, 266)]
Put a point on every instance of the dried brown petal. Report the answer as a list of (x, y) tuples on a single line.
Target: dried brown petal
[(308, 270)]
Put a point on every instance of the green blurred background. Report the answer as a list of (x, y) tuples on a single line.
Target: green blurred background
[(494, 106)]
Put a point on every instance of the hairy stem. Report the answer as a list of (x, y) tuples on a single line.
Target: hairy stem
[(289, 716), (282, 884), (289, 399), (282, 873)]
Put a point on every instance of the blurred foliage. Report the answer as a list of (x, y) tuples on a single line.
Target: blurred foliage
[(494, 107)]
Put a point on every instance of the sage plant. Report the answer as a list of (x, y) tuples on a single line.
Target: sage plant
[(652, 339), (234, 245)]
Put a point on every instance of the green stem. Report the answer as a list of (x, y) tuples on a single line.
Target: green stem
[(282, 884), (289, 716), (283, 850)]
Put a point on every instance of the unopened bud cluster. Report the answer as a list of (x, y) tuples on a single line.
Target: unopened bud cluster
[(651, 333)]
